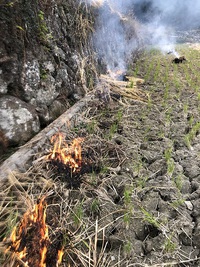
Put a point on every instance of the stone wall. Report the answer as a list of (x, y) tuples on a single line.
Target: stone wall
[(46, 63)]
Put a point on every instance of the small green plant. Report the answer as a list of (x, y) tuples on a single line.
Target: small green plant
[(43, 74), (136, 70), (169, 245), (168, 115), (112, 130), (44, 34), (192, 134), (131, 84), (149, 103), (92, 179), (127, 218), (95, 207), (128, 205), (141, 182), (11, 4), (104, 169), (115, 125), (119, 116), (91, 126), (78, 214), (128, 246), (187, 141), (156, 73), (169, 160), (191, 120), (179, 181), (127, 196), (166, 94), (177, 203), (170, 167), (168, 154), (198, 97), (148, 217), (11, 222)]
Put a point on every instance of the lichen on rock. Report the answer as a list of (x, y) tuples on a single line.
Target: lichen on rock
[(18, 120), (42, 46)]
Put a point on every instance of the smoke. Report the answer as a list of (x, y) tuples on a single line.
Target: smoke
[(125, 25), (116, 35), (181, 14)]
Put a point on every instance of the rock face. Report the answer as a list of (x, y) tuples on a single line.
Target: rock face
[(43, 52)]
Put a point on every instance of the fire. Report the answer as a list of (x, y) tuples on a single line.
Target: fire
[(60, 255), (29, 242), (68, 154)]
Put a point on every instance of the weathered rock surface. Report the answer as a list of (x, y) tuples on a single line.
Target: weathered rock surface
[(18, 120), (42, 58)]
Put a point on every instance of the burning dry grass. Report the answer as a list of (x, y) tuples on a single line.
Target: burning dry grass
[(29, 241), (41, 216), (66, 154), (24, 234), (32, 233), (37, 231), (68, 195)]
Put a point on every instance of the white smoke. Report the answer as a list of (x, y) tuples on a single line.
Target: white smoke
[(116, 35), (123, 25)]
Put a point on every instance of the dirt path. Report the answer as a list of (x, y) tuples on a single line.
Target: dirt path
[(138, 203)]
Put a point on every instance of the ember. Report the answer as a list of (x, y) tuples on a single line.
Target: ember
[(68, 154), (29, 242)]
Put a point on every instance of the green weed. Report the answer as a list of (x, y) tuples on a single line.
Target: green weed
[(128, 246), (44, 34), (177, 203), (11, 222), (179, 182), (131, 84), (78, 214), (95, 207), (127, 218), (169, 245), (192, 134), (148, 217), (127, 196), (141, 182), (168, 154), (91, 127)]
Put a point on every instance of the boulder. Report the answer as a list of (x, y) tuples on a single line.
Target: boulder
[(18, 120)]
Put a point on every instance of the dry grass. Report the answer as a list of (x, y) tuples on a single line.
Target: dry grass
[(87, 216)]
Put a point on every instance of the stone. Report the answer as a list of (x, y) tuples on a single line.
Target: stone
[(189, 205), (18, 120), (3, 85), (30, 78), (46, 92)]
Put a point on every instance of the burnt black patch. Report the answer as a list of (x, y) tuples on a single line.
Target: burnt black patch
[(73, 177), (178, 60)]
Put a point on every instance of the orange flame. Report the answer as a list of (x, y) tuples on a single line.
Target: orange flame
[(30, 241), (68, 154), (60, 255)]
